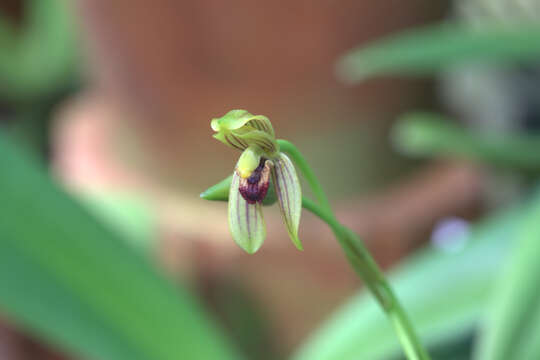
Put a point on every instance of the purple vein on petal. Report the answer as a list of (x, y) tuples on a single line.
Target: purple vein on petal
[(291, 178), (295, 189), (280, 175), (240, 141), (278, 186), (238, 218), (286, 187), (246, 228), (256, 210), (257, 125), (248, 220), (233, 144)]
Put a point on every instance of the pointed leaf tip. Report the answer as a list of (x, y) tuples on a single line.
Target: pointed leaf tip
[(219, 191), (245, 220), (289, 195)]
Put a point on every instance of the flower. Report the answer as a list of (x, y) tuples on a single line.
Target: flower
[(260, 166)]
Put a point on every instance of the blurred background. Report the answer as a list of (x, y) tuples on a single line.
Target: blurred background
[(115, 99)]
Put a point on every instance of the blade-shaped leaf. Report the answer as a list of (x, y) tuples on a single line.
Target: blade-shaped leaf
[(289, 194), (246, 221), (70, 280), (41, 59), (431, 134), (432, 48), (511, 326), (423, 283)]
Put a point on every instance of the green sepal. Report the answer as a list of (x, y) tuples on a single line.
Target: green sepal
[(261, 139), (219, 191), (240, 129), (289, 195), (237, 119), (246, 221)]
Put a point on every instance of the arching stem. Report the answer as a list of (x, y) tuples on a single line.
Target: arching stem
[(359, 258)]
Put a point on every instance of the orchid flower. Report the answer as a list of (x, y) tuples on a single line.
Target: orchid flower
[(263, 174), (260, 165)]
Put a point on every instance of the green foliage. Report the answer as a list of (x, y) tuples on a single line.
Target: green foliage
[(433, 135), (444, 293), (451, 291), (360, 260), (125, 213), (40, 57), (433, 48), (512, 325), (71, 281)]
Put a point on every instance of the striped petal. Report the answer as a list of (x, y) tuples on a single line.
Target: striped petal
[(237, 119), (245, 220), (289, 195), (229, 139), (240, 129), (258, 138)]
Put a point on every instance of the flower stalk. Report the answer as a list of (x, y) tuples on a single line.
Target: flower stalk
[(365, 266)]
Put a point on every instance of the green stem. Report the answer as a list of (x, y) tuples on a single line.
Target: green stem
[(304, 167), (360, 259)]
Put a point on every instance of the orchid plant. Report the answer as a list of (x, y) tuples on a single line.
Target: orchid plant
[(267, 161), (260, 159)]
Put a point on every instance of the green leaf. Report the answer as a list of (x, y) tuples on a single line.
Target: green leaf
[(71, 281), (246, 221), (124, 212), (359, 330), (428, 134), (436, 47), (512, 325), (42, 56)]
